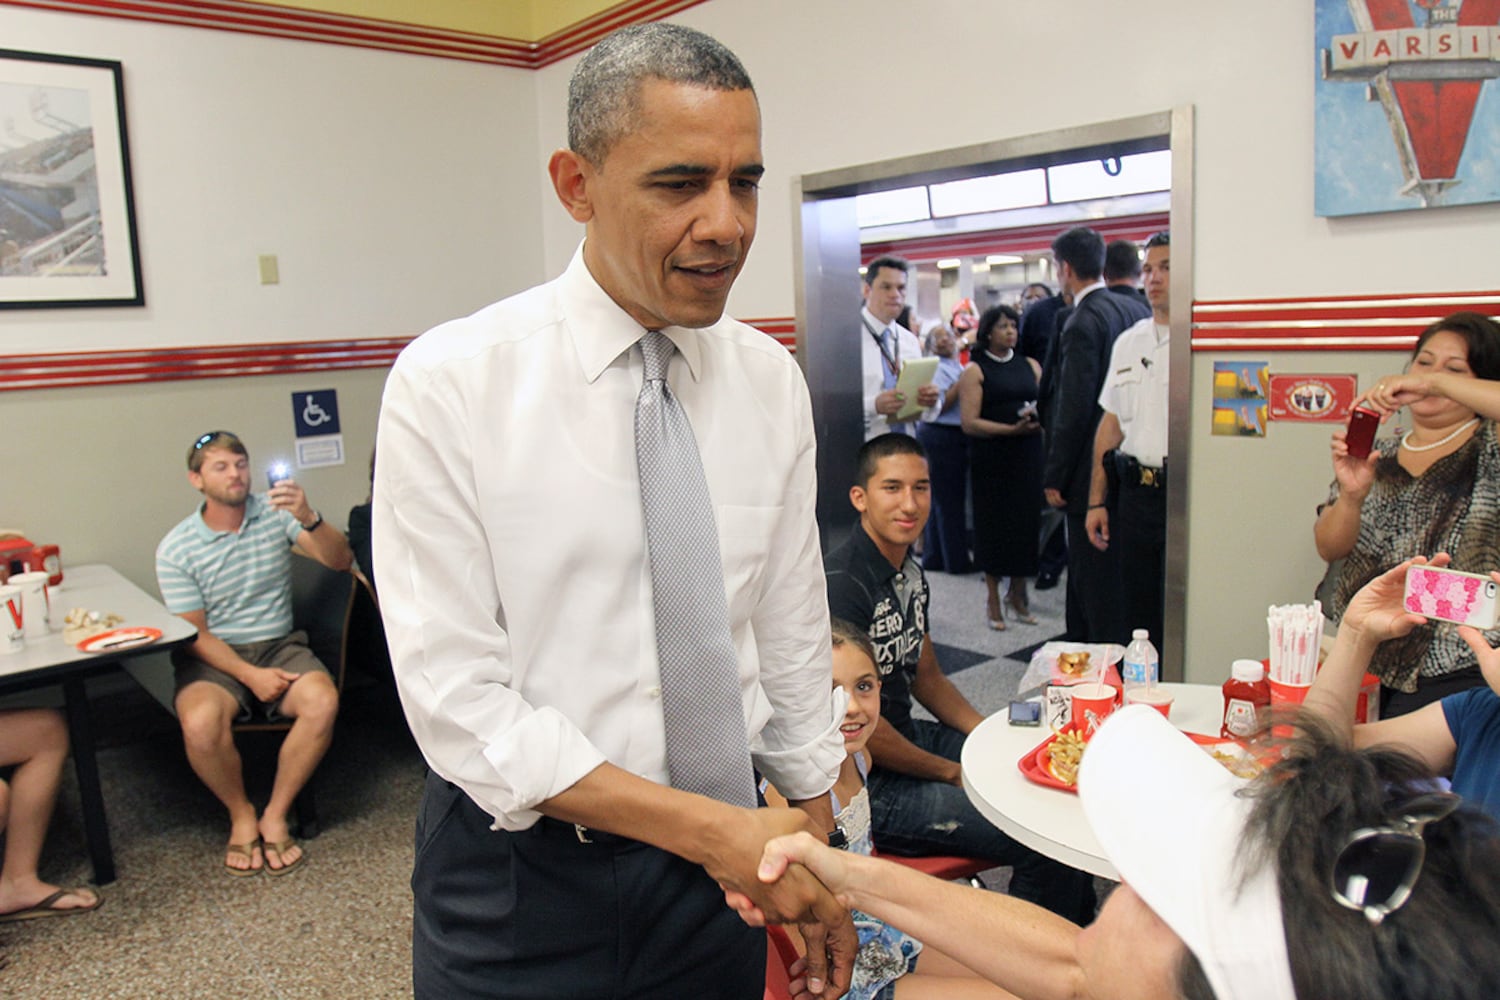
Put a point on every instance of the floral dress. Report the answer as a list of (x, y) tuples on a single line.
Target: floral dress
[(885, 953)]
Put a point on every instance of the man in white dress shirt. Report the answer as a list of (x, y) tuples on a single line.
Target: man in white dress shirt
[(886, 346), (553, 858), (1132, 437)]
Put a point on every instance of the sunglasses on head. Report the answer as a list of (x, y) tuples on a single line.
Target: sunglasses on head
[(1378, 866), (211, 436)]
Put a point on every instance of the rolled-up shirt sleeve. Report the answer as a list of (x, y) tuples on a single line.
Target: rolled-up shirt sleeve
[(444, 618), (799, 748)]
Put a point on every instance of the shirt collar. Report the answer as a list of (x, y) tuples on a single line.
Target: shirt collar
[(602, 331), (255, 506), (883, 570), (1083, 293)]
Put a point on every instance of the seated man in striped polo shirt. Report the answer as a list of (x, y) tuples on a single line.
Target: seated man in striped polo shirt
[(226, 568)]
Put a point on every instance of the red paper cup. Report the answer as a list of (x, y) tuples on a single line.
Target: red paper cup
[(1284, 699), (1158, 698), (1092, 704)]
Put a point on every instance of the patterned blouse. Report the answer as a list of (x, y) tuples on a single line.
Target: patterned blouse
[(885, 954), (1453, 507)]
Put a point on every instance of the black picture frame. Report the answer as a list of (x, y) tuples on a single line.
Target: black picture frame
[(67, 210)]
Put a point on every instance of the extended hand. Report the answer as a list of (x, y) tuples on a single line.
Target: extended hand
[(288, 496), (1054, 498), (1391, 393), (797, 897), (1355, 475), (1378, 609), (1487, 655), (928, 395), (889, 402)]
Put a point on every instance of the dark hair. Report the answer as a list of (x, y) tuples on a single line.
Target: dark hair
[(903, 318), (1039, 284), (845, 634), (604, 92), (987, 322), (884, 446), (1122, 261), (1161, 239), (224, 440), (1082, 249), (872, 269), (1480, 334), (1441, 943)]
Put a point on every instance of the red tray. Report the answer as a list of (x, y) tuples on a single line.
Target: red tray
[(1036, 766)]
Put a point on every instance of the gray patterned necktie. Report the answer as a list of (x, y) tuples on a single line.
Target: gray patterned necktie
[(707, 749)]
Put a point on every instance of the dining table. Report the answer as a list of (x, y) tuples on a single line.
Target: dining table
[(1047, 819), (51, 661)]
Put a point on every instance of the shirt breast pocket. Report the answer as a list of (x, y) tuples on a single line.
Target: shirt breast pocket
[(1127, 391), (745, 537)]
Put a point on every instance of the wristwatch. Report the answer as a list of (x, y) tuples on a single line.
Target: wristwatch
[(317, 521)]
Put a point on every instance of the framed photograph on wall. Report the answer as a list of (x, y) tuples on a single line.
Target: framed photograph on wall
[(67, 216), (1407, 107)]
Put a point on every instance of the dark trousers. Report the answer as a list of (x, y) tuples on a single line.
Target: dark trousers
[(1094, 611), (945, 541), (914, 817), (541, 915), (1139, 527)]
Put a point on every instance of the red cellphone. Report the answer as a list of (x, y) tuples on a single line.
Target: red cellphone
[(1361, 435)]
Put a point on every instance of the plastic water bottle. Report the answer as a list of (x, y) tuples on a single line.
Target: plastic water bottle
[(1141, 662)]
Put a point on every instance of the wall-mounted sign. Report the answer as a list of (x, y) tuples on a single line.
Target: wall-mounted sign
[(316, 417), (1312, 398)]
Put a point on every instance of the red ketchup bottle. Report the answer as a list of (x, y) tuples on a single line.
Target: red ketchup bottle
[(1247, 700)]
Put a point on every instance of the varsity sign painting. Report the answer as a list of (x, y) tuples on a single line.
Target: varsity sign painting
[(1407, 115)]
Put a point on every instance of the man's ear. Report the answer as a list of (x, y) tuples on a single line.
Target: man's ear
[(196, 480), (857, 498), (570, 175)]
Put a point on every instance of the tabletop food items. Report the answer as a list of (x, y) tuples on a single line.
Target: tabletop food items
[(81, 624), (1247, 700)]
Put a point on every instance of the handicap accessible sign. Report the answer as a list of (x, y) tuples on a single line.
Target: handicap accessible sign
[(316, 416)]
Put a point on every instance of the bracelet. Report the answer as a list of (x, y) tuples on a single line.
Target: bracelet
[(317, 522), (1092, 506), (838, 839)]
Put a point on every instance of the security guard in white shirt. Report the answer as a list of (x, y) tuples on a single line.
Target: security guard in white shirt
[(1130, 448)]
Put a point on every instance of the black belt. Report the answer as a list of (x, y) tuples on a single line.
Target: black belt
[(1133, 473)]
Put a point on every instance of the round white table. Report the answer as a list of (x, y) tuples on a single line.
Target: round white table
[(1050, 820)]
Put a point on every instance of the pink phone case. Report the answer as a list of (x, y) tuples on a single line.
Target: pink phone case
[(1462, 598)]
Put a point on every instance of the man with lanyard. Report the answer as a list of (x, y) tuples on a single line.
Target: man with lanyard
[(887, 346), (1131, 443), (598, 627)]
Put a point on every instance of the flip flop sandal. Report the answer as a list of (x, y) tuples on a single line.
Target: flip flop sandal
[(281, 847), (246, 851), (46, 908)]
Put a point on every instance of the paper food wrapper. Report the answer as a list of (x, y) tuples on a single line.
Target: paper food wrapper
[(1062, 663)]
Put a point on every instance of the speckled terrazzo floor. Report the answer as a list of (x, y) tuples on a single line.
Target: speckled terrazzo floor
[(173, 926)]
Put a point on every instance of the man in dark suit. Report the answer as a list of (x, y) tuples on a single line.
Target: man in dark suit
[(1040, 321), (1122, 269), (1070, 408)]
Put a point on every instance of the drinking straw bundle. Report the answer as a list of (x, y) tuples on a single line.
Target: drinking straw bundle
[(1296, 630)]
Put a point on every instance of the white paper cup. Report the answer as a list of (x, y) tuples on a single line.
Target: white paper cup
[(12, 620), (36, 602)]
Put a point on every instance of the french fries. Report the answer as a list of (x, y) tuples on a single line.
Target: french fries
[(1064, 755)]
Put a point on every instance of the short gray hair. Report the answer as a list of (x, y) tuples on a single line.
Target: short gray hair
[(603, 94)]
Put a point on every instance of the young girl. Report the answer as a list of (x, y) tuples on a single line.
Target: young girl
[(887, 965)]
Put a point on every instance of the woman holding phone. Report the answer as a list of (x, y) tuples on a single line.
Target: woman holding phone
[(1433, 488)]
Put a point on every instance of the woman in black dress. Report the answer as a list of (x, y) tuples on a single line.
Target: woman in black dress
[(997, 400)]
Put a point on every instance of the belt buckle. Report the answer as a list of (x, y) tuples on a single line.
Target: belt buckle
[(1150, 476)]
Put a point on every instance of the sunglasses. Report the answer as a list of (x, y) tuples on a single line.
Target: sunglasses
[(1378, 866), (210, 436)]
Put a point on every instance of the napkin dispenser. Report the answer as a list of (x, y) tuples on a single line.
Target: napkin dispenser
[(21, 555)]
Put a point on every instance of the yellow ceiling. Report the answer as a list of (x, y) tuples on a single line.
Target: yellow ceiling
[(524, 20)]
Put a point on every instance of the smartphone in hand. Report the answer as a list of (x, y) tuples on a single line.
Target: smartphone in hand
[(276, 474), (1361, 434), (1452, 596)]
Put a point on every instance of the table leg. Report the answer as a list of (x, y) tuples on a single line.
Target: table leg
[(95, 826)]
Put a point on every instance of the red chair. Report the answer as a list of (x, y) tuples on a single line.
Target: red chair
[(780, 954), (945, 867)]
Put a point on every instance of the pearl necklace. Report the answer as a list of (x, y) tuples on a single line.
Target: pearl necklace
[(1406, 438), (998, 360)]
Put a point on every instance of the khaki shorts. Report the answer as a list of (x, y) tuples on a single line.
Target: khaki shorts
[(290, 652)]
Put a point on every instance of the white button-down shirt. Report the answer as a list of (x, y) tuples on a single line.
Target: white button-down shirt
[(1135, 390), (514, 581), (904, 347)]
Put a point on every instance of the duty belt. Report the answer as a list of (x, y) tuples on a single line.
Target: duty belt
[(1133, 473)]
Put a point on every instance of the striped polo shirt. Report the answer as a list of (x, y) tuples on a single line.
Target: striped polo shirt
[(243, 579)]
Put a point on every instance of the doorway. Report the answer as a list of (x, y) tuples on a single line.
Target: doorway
[(828, 251)]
